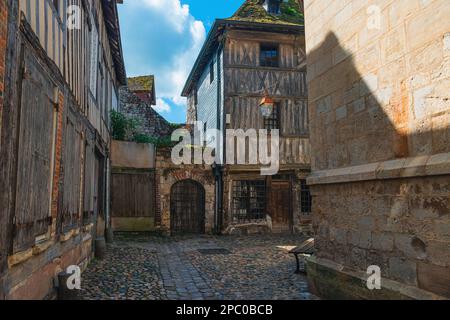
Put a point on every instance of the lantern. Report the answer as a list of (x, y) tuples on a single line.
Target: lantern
[(266, 106)]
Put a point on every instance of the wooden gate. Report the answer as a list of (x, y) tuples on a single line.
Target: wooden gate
[(133, 195), (280, 206), (187, 207)]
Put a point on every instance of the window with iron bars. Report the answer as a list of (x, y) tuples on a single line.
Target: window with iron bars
[(305, 198), (249, 201)]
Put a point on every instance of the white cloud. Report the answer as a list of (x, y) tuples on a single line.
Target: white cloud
[(161, 106), (172, 10), (165, 44)]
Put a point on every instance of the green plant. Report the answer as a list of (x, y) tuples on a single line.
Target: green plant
[(121, 125)]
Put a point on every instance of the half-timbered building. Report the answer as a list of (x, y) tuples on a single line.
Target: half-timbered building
[(64, 66), (256, 54)]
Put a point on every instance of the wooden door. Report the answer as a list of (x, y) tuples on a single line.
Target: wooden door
[(280, 206), (187, 207)]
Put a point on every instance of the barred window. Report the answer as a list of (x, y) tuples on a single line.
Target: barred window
[(269, 56), (305, 198), (249, 201), (273, 121)]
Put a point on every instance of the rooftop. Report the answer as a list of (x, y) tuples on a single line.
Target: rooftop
[(141, 83), (254, 11)]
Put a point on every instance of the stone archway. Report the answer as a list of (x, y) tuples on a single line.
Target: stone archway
[(187, 207)]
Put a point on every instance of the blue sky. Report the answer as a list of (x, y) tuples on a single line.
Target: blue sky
[(163, 37)]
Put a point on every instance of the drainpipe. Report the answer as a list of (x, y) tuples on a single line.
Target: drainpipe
[(218, 172), (218, 168)]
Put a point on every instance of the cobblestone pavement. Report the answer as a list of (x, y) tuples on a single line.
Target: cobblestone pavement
[(141, 267)]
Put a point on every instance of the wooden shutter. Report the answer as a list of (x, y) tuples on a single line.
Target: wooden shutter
[(71, 168), (35, 155)]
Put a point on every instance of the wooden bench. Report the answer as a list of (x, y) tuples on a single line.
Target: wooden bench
[(306, 249)]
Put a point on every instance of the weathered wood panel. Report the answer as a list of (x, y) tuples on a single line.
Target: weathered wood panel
[(294, 118), (35, 157), (279, 206), (133, 194), (255, 81), (69, 211), (89, 181), (294, 142), (243, 48)]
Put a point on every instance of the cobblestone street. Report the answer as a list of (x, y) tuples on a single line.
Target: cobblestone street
[(198, 268)]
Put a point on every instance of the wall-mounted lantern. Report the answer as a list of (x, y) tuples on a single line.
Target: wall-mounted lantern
[(266, 106)]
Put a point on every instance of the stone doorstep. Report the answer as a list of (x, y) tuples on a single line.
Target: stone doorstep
[(438, 164), (395, 287)]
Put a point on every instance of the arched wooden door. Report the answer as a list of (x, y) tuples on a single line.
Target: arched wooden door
[(187, 207)]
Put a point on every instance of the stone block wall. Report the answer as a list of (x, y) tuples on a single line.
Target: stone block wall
[(150, 122), (378, 77), (167, 174), (401, 225)]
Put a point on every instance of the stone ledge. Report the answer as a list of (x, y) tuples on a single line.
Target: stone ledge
[(330, 280), (420, 166)]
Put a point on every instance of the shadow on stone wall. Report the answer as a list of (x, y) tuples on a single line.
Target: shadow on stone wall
[(386, 200), (365, 120)]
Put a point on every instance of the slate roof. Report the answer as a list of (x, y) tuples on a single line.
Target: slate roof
[(253, 11)]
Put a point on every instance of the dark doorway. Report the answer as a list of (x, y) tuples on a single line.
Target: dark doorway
[(187, 207)]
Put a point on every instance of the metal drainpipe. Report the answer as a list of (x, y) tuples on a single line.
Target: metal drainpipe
[(218, 167)]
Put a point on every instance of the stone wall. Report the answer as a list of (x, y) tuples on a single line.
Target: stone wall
[(167, 174), (378, 77), (151, 123)]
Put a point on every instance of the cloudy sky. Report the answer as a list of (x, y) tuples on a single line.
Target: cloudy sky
[(163, 37)]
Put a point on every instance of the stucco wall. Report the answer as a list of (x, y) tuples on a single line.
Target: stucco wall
[(132, 155)]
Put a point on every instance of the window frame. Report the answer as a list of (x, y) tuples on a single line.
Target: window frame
[(271, 4), (263, 59), (305, 198), (249, 195)]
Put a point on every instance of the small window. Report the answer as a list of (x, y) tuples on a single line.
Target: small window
[(273, 121), (269, 56), (211, 72), (56, 5), (249, 201), (273, 7), (305, 198)]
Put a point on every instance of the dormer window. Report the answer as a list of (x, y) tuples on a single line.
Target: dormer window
[(273, 6)]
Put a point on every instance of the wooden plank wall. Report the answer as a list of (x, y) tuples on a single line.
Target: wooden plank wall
[(133, 194), (70, 50), (246, 82)]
